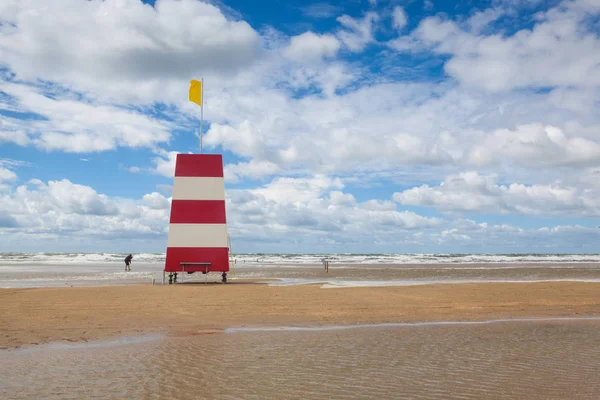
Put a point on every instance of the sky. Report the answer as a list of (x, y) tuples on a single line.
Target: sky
[(362, 126)]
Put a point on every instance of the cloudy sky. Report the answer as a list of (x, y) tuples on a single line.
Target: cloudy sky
[(355, 126)]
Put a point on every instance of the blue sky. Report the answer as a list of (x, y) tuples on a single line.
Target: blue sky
[(358, 126)]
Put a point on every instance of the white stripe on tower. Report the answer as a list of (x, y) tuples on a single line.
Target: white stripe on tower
[(197, 235), (198, 188)]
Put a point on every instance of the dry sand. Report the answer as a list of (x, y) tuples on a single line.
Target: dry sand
[(34, 316)]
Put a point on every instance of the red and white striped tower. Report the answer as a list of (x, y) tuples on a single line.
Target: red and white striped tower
[(197, 230)]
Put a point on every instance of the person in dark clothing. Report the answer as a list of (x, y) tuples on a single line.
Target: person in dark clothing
[(128, 263)]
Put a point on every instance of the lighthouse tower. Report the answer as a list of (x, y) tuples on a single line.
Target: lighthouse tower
[(197, 228)]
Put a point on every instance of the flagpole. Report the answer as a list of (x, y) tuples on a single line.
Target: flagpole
[(201, 111)]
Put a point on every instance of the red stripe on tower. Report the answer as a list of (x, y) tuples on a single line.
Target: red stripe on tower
[(199, 165), (198, 228), (198, 212)]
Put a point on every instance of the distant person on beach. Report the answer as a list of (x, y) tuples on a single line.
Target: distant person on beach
[(128, 263), (325, 264)]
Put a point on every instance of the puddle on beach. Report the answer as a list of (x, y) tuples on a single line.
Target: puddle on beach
[(544, 359)]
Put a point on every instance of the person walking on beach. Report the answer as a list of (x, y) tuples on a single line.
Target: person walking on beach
[(128, 263), (325, 264)]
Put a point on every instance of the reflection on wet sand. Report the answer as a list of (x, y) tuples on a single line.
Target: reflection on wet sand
[(551, 359)]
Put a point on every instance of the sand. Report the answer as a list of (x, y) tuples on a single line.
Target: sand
[(35, 316)]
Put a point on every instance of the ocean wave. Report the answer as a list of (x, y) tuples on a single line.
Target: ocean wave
[(77, 258), (305, 259)]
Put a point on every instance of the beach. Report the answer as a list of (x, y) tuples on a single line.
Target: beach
[(73, 326), (41, 315)]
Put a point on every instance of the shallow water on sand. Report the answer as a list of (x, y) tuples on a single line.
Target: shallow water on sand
[(500, 360), (339, 275)]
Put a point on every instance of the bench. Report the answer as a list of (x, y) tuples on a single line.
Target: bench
[(206, 266), (184, 264)]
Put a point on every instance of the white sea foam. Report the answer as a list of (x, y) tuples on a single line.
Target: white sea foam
[(338, 283), (266, 260), (402, 324), (348, 284), (76, 258)]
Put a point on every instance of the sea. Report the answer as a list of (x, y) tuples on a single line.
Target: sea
[(535, 358), (22, 270)]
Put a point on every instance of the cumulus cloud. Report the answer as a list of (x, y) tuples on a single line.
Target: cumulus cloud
[(282, 208), (308, 211), (407, 124), (357, 33), (472, 192), (535, 145), (253, 169), (146, 45), (65, 209), (165, 163), (466, 235), (7, 175), (310, 46), (481, 19), (562, 49), (317, 205), (75, 126), (399, 18), (244, 140), (156, 201)]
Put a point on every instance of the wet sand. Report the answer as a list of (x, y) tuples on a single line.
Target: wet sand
[(35, 316)]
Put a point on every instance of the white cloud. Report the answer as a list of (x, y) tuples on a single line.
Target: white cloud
[(357, 33), (307, 208), (387, 125), (156, 201), (10, 133), (562, 49), (399, 17), (64, 209), (481, 19), (7, 175), (243, 140), (535, 145), (253, 169), (309, 211), (76, 126), (320, 10), (472, 192), (78, 199), (467, 234), (298, 190), (147, 46), (313, 131), (284, 208), (165, 164), (310, 46)]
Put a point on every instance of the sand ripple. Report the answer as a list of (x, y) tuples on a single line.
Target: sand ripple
[(507, 360)]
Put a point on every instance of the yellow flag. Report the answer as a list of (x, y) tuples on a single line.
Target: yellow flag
[(196, 92)]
